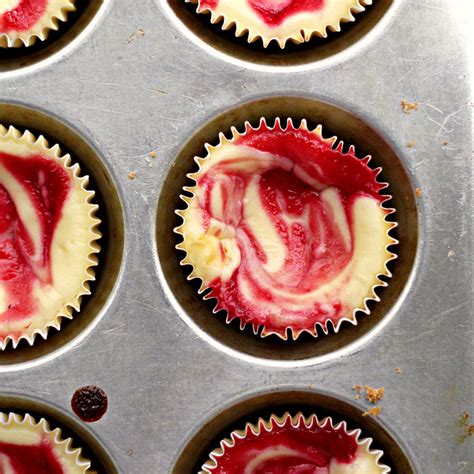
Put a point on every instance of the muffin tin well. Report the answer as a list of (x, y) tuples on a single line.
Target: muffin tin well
[(250, 408), (92, 448), (224, 43), (112, 227), (350, 128), (78, 24)]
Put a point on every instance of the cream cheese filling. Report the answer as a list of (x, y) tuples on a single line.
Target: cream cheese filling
[(7, 5), (364, 463), (26, 432), (55, 10), (299, 26), (72, 245), (215, 252)]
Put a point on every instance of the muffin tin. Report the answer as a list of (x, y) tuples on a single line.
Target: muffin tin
[(176, 376)]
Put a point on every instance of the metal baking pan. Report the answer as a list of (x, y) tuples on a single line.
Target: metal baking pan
[(126, 80)]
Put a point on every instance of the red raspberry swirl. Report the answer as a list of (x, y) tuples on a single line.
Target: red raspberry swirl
[(29, 459), (273, 12), (25, 258), (290, 448), (294, 226), (24, 16)]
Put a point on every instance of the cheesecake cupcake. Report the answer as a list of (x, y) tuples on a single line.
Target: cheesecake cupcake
[(295, 444), (23, 22), (281, 20), (28, 446), (286, 230), (48, 237)]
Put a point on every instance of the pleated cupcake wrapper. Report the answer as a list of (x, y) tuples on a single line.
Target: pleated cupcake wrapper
[(40, 145), (50, 21), (297, 37), (297, 421), (63, 446), (328, 325)]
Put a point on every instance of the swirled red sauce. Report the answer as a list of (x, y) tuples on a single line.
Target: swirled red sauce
[(274, 12), (46, 185), (29, 459), (208, 4), (314, 250), (317, 158), (286, 449), (23, 16)]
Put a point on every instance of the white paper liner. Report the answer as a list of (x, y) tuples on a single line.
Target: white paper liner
[(57, 11), (327, 325), (259, 31), (297, 421), (70, 457), (41, 146)]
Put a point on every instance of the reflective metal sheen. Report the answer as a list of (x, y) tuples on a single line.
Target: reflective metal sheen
[(137, 83)]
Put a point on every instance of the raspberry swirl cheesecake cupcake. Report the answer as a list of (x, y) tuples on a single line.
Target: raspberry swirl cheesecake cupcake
[(48, 237), (23, 22), (281, 20), (28, 446), (295, 444), (286, 230)]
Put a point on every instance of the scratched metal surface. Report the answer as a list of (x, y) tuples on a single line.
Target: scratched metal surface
[(131, 94)]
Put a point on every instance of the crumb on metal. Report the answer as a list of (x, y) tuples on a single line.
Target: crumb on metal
[(140, 33), (451, 253), (373, 411), (358, 389), (132, 175), (408, 107), (153, 154), (445, 143), (312, 385), (410, 144), (149, 162), (374, 395), (468, 429), (398, 370), (418, 192)]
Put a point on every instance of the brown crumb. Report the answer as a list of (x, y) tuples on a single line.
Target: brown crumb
[(464, 419), (398, 370), (153, 154), (312, 385), (373, 411), (358, 389), (130, 452), (132, 175), (468, 430), (407, 107), (374, 395), (418, 192), (140, 33), (410, 144), (445, 143)]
